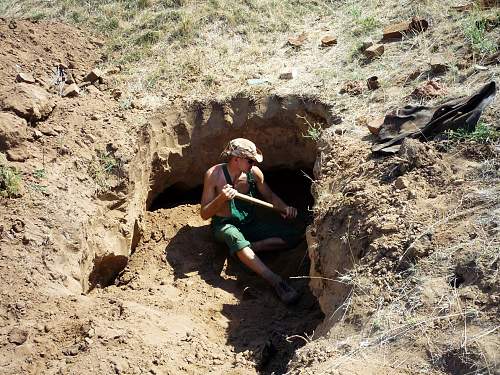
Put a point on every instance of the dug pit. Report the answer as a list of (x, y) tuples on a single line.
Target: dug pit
[(221, 307)]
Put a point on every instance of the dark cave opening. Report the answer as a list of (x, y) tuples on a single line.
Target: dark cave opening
[(293, 186)]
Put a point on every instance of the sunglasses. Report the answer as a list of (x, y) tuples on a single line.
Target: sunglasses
[(250, 161)]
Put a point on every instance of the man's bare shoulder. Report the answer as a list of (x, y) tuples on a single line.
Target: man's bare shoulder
[(214, 173)]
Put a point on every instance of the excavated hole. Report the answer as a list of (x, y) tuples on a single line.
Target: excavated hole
[(254, 315), (168, 171)]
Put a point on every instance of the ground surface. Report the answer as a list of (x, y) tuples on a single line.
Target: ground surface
[(404, 249)]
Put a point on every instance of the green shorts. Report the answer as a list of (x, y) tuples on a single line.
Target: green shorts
[(239, 236)]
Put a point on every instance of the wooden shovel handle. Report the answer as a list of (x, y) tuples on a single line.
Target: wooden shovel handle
[(256, 201)]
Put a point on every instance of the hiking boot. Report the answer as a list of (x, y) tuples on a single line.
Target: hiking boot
[(286, 293)]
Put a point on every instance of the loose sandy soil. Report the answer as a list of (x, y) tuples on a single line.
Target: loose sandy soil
[(403, 250)]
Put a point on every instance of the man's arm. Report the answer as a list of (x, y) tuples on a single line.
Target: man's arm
[(211, 202), (289, 212)]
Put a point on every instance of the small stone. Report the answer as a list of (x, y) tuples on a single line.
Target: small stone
[(18, 154), (351, 88), (328, 41), (25, 77), (113, 70), (18, 336), (374, 125), (297, 41), (71, 91), (396, 31), (72, 351), (291, 74), (37, 134), (94, 75), (116, 93), (364, 45), (401, 183), (372, 83), (374, 51)]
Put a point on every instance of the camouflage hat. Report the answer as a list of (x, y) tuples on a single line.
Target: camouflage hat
[(242, 148)]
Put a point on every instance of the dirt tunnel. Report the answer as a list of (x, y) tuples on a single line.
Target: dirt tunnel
[(176, 151)]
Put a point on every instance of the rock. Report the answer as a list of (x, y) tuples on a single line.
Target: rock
[(116, 93), (94, 75), (25, 77), (438, 65), (372, 83), (72, 351), (37, 134), (374, 125), (374, 51), (291, 74), (18, 336), (430, 89), (18, 226), (396, 31), (30, 102), (401, 183), (351, 88), (364, 45), (97, 42), (18, 154), (328, 41), (71, 91), (13, 131), (298, 40)]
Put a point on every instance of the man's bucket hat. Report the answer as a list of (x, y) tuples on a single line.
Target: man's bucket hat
[(243, 148)]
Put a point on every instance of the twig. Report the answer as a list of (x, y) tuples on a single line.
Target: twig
[(306, 339), (312, 277), (475, 338)]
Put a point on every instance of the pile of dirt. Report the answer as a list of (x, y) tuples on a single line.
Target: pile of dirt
[(405, 251)]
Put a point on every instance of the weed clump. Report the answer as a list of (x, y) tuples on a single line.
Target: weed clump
[(483, 134), (10, 180), (103, 168)]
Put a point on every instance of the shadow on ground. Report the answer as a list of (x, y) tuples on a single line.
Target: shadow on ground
[(259, 322)]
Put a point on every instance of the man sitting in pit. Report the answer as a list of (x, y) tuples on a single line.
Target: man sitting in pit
[(234, 221)]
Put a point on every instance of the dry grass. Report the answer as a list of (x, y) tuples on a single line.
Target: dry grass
[(195, 50)]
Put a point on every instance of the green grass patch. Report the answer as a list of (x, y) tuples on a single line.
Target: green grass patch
[(476, 32), (10, 181), (483, 133)]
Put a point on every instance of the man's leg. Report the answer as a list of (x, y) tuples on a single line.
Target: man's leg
[(240, 247), (252, 261)]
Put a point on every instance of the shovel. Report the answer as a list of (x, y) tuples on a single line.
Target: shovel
[(257, 202)]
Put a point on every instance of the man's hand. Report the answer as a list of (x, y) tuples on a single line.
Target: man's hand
[(289, 213), (228, 192)]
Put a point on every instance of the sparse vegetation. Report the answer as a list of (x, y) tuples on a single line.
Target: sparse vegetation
[(476, 33), (10, 180), (483, 133), (102, 169)]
